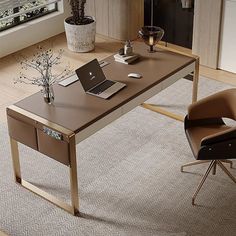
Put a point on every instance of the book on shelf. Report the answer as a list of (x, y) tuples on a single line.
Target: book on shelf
[(126, 59)]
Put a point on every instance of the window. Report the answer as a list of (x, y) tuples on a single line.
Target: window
[(15, 12), (45, 25)]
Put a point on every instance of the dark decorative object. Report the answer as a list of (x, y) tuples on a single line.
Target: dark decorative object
[(121, 51), (43, 62), (78, 15), (151, 35)]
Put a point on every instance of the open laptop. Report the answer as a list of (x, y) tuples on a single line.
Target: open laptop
[(94, 81)]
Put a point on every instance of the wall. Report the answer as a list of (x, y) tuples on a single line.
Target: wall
[(227, 58), (118, 19), (206, 31), (174, 19)]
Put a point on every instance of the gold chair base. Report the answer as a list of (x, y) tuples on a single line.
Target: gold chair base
[(212, 166), (202, 162)]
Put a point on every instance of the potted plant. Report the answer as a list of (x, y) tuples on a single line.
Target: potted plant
[(80, 29)]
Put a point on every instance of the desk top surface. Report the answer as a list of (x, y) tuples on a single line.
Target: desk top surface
[(76, 110)]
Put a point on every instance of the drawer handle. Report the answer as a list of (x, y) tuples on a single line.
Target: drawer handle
[(52, 133)]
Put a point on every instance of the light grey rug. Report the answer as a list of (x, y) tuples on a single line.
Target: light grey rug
[(129, 179)]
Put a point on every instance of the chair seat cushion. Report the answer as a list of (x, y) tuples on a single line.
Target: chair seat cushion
[(196, 134)]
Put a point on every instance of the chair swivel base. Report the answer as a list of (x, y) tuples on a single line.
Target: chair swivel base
[(212, 167), (202, 162)]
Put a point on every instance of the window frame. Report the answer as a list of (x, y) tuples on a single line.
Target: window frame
[(34, 31), (16, 19)]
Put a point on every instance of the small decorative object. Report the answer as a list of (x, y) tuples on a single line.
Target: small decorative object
[(80, 29), (128, 49), (187, 3), (43, 62), (121, 51), (151, 34)]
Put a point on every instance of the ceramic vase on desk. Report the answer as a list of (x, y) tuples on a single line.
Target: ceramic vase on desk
[(80, 38), (80, 29)]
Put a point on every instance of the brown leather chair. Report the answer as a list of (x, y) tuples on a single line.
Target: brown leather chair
[(210, 139)]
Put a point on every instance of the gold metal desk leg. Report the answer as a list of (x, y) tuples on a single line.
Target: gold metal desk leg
[(15, 160), (74, 208), (156, 108), (195, 81), (73, 177), (161, 111)]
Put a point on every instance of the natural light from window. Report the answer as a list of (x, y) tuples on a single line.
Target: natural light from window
[(12, 15)]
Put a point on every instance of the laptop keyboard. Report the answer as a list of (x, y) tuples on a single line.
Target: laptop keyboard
[(102, 87)]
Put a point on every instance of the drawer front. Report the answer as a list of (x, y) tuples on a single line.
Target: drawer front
[(54, 148), (22, 132)]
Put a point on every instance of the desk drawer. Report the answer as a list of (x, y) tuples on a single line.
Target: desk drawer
[(54, 148), (22, 132)]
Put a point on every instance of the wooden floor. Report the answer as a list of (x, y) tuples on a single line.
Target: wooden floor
[(2, 233), (9, 67)]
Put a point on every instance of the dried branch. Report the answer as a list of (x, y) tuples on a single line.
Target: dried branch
[(43, 61)]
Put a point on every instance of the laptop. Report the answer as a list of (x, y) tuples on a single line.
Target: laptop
[(94, 81)]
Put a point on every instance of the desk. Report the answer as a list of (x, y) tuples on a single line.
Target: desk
[(76, 115)]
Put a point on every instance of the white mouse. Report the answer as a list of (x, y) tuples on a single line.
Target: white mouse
[(134, 75)]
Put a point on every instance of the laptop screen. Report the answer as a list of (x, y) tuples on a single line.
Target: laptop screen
[(90, 74)]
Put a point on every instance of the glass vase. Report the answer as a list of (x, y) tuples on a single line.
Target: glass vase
[(151, 35), (48, 94)]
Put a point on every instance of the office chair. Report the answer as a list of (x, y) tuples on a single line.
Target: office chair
[(210, 139)]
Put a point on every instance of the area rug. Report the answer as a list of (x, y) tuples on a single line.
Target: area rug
[(129, 180)]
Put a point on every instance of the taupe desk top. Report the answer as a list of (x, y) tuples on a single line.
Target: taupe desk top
[(75, 110)]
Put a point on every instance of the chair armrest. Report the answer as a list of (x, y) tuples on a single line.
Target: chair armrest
[(215, 106), (219, 137)]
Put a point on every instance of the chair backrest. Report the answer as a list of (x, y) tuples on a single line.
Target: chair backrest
[(219, 105)]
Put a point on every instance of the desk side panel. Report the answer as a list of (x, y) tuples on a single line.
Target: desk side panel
[(56, 149), (30, 132), (22, 132)]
